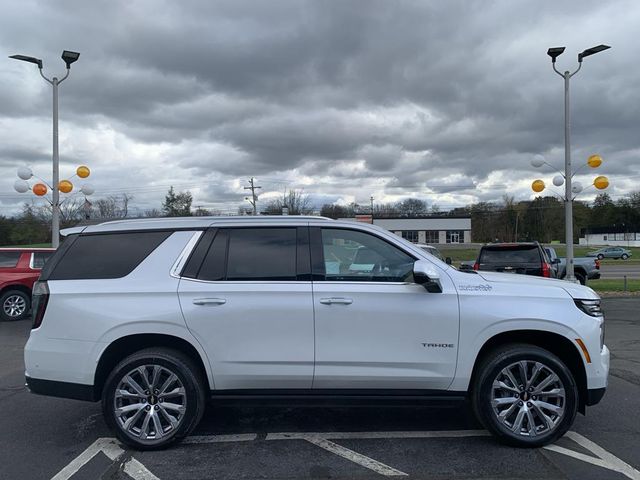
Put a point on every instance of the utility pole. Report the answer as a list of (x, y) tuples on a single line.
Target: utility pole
[(254, 198), (372, 207)]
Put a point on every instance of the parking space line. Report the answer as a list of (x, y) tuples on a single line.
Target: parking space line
[(379, 435), (138, 471), (355, 457), (105, 445), (604, 459), (113, 451), (197, 439)]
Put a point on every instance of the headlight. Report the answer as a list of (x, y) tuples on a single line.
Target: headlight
[(590, 307)]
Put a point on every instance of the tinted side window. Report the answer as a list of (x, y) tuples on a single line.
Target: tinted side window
[(40, 258), (261, 254), (214, 264), (111, 255), (9, 259), (350, 255)]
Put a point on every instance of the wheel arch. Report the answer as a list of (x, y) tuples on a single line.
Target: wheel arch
[(557, 344), (16, 286), (124, 346)]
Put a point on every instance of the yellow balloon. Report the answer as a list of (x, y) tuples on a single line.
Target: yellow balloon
[(594, 161), (537, 186), (83, 171), (65, 186), (39, 189), (601, 182)]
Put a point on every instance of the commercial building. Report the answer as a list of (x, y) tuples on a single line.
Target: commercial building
[(619, 236), (431, 229)]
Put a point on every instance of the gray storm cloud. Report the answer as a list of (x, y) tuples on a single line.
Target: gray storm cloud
[(344, 99)]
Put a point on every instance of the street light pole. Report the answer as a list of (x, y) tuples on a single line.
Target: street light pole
[(55, 208), (568, 206), (554, 53), (68, 57)]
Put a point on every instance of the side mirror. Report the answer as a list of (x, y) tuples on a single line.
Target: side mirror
[(555, 261), (427, 275), (448, 261)]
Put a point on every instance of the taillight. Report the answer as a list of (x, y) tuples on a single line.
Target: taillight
[(39, 300), (476, 266), (597, 264), (546, 270)]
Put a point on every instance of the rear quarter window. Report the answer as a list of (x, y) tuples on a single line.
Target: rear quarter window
[(100, 256)]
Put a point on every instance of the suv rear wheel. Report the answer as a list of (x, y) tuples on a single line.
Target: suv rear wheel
[(153, 398), (525, 395), (14, 305)]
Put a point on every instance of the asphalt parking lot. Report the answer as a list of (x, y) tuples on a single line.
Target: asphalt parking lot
[(46, 438)]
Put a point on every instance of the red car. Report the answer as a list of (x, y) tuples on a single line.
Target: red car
[(19, 269)]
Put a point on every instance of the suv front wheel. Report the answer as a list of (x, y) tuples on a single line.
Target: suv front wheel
[(153, 398), (525, 395)]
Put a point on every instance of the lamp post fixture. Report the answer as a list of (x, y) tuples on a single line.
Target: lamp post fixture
[(68, 57), (554, 53)]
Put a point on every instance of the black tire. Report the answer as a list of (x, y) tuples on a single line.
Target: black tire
[(489, 370), (624, 256), (8, 305), (169, 362), (581, 278), (600, 256)]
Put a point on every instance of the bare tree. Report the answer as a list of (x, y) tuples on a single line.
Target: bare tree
[(113, 206), (295, 201)]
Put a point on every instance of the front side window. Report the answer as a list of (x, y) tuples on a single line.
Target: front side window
[(351, 255), (9, 259)]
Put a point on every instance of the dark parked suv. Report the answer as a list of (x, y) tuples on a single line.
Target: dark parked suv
[(524, 258)]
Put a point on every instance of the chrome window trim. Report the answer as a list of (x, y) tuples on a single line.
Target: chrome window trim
[(178, 265)]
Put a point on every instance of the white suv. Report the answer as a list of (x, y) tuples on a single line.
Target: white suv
[(154, 316)]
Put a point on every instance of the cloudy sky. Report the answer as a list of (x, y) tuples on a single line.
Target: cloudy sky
[(442, 101)]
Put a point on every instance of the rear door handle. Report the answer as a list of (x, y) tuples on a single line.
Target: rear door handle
[(336, 300), (209, 301)]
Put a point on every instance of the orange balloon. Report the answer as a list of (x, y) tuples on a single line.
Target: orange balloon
[(594, 161), (65, 186), (83, 171), (40, 189), (537, 186), (601, 182)]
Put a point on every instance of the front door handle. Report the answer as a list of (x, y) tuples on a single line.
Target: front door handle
[(336, 300), (209, 301)]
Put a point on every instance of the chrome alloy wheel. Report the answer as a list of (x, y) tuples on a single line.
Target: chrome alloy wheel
[(528, 398), (150, 403), (14, 306)]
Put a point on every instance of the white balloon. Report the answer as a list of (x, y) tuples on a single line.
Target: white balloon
[(576, 187), (87, 189), (558, 180), (21, 186), (25, 173), (537, 161)]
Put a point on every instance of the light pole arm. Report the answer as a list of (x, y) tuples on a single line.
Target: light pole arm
[(67, 74), (46, 79), (579, 67), (553, 64)]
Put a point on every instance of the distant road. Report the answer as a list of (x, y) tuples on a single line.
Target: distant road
[(631, 270)]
